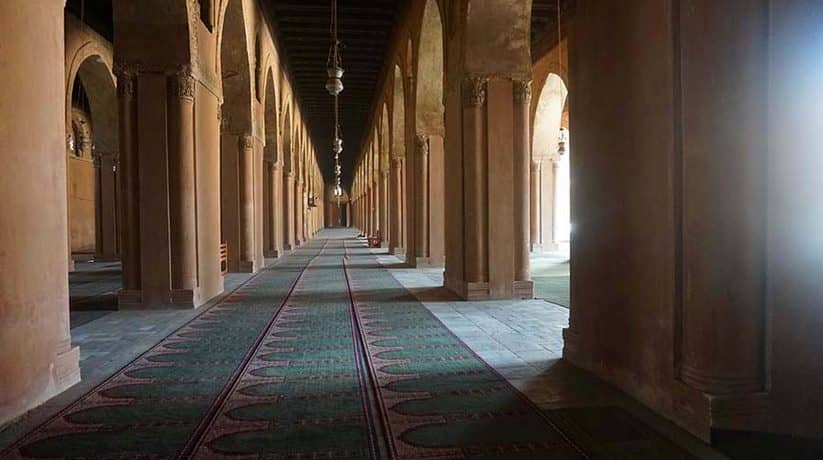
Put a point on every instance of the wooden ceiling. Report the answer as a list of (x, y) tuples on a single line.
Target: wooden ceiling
[(365, 28)]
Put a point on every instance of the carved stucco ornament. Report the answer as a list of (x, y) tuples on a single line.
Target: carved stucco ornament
[(474, 91), (522, 91), (421, 141), (185, 83), (246, 142)]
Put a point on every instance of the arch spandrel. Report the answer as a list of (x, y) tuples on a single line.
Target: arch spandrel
[(385, 139), (399, 115), (429, 107), (272, 149), (497, 38), (164, 28), (235, 68)]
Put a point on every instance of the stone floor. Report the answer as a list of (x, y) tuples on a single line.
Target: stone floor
[(550, 274), (108, 339), (522, 340)]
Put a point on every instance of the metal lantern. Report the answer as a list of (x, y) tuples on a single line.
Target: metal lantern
[(334, 85), (563, 141)]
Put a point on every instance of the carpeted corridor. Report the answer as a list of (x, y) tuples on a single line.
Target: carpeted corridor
[(323, 355)]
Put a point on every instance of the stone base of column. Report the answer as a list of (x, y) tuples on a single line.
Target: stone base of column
[(571, 345), (398, 252), (273, 254), (523, 289), (468, 290), (430, 262), (536, 248), (66, 370), (727, 384), (695, 411), (288, 248), (176, 299), (128, 299), (107, 259), (245, 266), (182, 298)]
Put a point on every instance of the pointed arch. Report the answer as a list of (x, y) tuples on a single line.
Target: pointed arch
[(385, 138), (398, 115), (429, 92), (551, 102), (271, 151), (234, 68)]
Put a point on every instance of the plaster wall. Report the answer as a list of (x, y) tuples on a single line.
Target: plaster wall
[(81, 201)]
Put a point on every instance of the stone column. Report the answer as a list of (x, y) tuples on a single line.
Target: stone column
[(288, 212), (298, 211), (105, 209), (129, 181), (386, 211), (275, 213), (475, 193), (395, 241), (37, 360), (370, 208), (722, 121), (555, 203), (523, 286), (534, 202), (246, 154), (183, 227), (421, 199)]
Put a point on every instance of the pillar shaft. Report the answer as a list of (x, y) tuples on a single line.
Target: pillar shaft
[(555, 203), (289, 211), (522, 152), (129, 181), (396, 205), (387, 205), (476, 189), (105, 209), (298, 211), (421, 209), (246, 157), (37, 360), (183, 227), (534, 203), (275, 213)]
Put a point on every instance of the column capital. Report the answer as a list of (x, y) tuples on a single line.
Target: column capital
[(246, 142), (522, 91), (421, 141), (126, 73), (185, 83), (474, 91), (397, 162)]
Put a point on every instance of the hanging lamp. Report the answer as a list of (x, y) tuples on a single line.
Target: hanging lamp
[(334, 85)]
